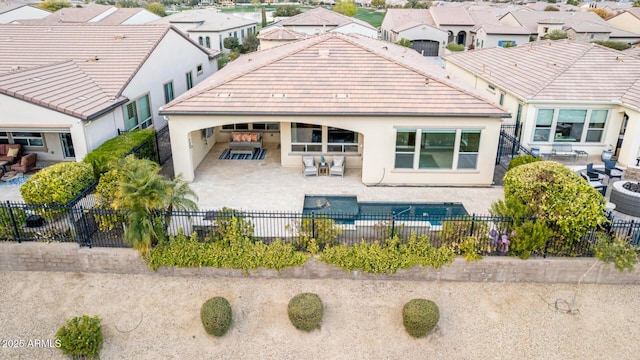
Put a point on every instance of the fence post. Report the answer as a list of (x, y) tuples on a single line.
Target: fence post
[(16, 233), (473, 224), (313, 224), (157, 149), (85, 228), (393, 224)]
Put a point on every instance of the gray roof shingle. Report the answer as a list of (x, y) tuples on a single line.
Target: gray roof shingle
[(335, 74)]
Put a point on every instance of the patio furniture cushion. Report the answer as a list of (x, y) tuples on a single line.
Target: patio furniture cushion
[(13, 152), (26, 163), (337, 166)]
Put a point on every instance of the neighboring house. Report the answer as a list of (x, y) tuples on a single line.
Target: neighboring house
[(583, 26), (95, 14), (209, 28), (275, 36), (390, 111), (561, 92), (10, 12), (89, 81), (430, 30), (628, 20), (321, 20), (416, 25)]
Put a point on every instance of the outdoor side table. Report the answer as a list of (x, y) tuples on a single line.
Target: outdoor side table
[(323, 169)]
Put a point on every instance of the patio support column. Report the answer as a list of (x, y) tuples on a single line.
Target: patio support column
[(181, 152)]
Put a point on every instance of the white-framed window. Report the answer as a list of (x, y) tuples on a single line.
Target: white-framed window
[(137, 114), (199, 69), (266, 126), (208, 42), (31, 139), (244, 126), (306, 137), (570, 125), (168, 92), (437, 149), (341, 140), (189, 77), (200, 40), (501, 101), (242, 33)]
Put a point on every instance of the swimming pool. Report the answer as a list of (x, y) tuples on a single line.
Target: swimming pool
[(346, 209)]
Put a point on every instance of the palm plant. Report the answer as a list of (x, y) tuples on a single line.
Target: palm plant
[(144, 195)]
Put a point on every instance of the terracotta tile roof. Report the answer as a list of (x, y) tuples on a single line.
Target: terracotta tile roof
[(503, 29), (280, 33), (530, 19), (120, 16), (6, 7), (78, 15), (333, 74), (451, 15), (402, 19), (205, 20), (321, 17), (589, 27), (557, 70), (105, 57)]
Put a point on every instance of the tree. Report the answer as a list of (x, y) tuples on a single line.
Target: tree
[(404, 42), (636, 3), (573, 2), (551, 8), (231, 43), (143, 196), (156, 8), (601, 12), (416, 4), (617, 45), (249, 44), (287, 10), (264, 17), (379, 3), (555, 35), (346, 8), (551, 1), (555, 194), (54, 5)]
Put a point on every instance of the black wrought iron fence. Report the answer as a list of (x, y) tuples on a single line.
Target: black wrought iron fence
[(105, 228)]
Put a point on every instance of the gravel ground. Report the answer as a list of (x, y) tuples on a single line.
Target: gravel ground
[(157, 317)]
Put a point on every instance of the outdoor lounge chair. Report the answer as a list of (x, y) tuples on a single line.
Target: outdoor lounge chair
[(309, 166), (337, 166), (26, 163), (611, 170)]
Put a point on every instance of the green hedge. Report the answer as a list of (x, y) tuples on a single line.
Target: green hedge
[(388, 257), (120, 146), (57, 184), (81, 337)]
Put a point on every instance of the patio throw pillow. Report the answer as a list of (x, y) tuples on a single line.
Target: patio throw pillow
[(308, 162), (337, 161), (13, 152), (237, 137)]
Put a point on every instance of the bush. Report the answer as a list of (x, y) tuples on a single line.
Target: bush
[(617, 45), (388, 257), (455, 47), (305, 311), (81, 337), (7, 231), (521, 160), (556, 195), (420, 316), (120, 146), (216, 316), (238, 253), (57, 184)]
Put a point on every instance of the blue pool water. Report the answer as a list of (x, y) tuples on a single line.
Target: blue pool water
[(346, 209)]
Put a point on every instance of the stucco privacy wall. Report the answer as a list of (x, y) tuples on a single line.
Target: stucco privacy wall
[(72, 258), (377, 145)]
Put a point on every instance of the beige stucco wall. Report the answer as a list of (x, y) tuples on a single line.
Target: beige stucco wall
[(631, 147), (626, 21), (377, 136), (484, 40), (268, 44), (587, 37)]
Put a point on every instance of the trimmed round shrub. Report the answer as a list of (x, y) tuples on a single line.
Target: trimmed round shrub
[(305, 311), (420, 316), (521, 160), (81, 337), (57, 184), (216, 316)]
